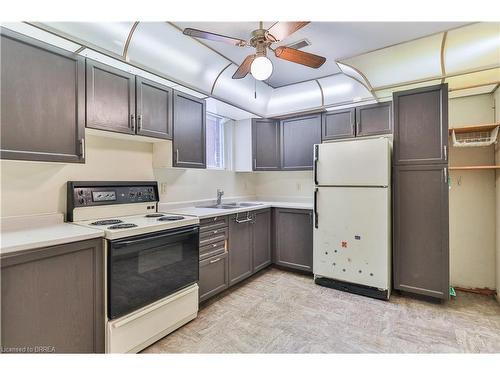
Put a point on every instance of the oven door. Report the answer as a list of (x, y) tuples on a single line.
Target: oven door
[(143, 269)]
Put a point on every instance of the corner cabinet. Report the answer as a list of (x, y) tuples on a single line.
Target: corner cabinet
[(298, 137), (43, 101), (188, 129), (266, 145), (110, 98), (293, 238), (54, 297)]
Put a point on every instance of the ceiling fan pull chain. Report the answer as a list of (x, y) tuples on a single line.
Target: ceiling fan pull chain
[(255, 88)]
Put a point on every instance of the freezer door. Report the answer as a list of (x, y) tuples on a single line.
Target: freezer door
[(364, 162), (352, 235)]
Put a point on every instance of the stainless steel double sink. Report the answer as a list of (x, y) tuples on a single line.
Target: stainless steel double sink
[(229, 206)]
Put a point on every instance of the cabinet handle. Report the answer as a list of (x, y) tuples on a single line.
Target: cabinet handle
[(445, 152), (445, 175), (132, 121), (254, 164), (176, 156), (358, 127), (214, 245), (215, 232), (215, 260), (139, 122), (82, 145), (248, 219), (316, 157)]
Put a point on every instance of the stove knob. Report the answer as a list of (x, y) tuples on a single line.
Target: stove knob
[(81, 201), (80, 192)]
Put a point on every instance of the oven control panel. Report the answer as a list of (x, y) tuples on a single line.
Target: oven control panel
[(87, 196)]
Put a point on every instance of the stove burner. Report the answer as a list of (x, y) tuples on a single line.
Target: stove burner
[(170, 218), (107, 222), (123, 226), (154, 215)]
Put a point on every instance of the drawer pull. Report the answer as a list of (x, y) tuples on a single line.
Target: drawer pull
[(214, 245), (215, 231), (215, 260)]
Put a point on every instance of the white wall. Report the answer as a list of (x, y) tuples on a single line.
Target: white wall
[(33, 188), (497, 226), (472, 201)]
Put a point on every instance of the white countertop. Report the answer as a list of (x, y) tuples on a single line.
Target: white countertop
[(30, 232), (203, 212)]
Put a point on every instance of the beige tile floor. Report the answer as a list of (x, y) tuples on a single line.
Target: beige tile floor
[(283, 312)]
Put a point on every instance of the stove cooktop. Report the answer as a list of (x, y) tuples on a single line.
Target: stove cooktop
[(107, 222), (171, 218)]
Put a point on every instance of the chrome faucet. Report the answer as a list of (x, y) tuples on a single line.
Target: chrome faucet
[(220, 193)]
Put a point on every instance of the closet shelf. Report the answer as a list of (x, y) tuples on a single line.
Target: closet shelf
[(474, 128), (474, 167)]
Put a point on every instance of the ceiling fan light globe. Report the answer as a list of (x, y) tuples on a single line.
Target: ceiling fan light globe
[(261, 68)]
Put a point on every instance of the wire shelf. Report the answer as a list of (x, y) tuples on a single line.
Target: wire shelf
[(475, 139)]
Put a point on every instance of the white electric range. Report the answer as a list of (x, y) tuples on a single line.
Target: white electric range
[(151, 258)]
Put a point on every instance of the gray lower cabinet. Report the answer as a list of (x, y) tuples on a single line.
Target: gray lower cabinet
[(43, 101), (421, 125), (293, 238), (110, 98), (240, 244), (154, 109), (338, 124), (374, 119), (214, 276), (298, 137), (261, 243), (266, 145), (188, 128), (53, 299), (420, 244)]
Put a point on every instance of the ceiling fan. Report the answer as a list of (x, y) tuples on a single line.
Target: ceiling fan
[(258, 64)]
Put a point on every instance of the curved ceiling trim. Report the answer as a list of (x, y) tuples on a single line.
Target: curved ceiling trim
[(367, 83), (322, 93), (474, 86), (217, 78), (129, 38), (442, 56)]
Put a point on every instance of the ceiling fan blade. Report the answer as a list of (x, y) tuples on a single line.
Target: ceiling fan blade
[(280, 30), (244, 67), (215, 37), (299, 57)]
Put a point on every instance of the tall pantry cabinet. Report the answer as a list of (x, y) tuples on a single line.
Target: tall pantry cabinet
[(420, 191)]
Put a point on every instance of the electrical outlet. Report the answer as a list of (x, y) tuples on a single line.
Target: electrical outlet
[(299, 186), (163, 188)]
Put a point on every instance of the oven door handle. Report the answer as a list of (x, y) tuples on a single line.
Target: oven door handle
[(119, 244)]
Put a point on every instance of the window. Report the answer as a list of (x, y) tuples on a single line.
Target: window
[(215, 142)]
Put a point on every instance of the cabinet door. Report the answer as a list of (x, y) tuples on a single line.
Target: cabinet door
[(265, 145), (54, 297), (110, 98), (240, 248), (421, 254), (154, 109), (374, 119), (214, 276), (298, 137), (338, 124), (189, 131), (43, 101), (261, 239), (293, 238), (421, 125)]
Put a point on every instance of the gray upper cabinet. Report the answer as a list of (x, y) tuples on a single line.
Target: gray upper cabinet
[(54, 297), (421, 248), (43, 101), (240, 247), (189, 124), (110, 98), (154, 109), (293, 238), (338, 124), (421, 125), (298, 135), (374, 119), (266, 145), (261, 239)]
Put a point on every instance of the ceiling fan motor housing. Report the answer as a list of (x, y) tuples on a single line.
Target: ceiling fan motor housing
[(260, 41)]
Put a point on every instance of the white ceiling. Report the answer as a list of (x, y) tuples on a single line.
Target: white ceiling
[(333, 40)]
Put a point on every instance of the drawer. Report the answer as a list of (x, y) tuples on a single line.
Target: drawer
[(213, 223), (212, 249), (214, 277), (212, 236)]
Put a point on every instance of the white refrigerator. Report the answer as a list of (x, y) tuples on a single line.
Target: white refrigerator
[(352, 216)]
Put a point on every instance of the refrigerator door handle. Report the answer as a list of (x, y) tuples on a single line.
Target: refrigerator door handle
[(316, 156), (316, 208)]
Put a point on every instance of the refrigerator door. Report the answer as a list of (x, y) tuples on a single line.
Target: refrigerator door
[(365, 162), (352, 238)]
